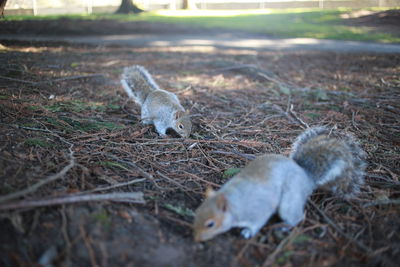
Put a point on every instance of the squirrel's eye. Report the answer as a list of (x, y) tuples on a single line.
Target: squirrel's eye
[(180, 126), (210, 224)]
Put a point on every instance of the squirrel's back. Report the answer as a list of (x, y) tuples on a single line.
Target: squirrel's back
[(138, 83), (335, 161)]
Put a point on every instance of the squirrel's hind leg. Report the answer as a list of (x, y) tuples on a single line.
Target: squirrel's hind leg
[(291, 207)]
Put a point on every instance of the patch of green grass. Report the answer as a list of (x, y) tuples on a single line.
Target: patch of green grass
[(29, 124), (113, 107), (309, 23), (4, 97), (34, 108), (38, 142), (228, 173), (319, 95), (301, 239), (69, 124), (103, 218), (79, 106), (74, 105), (313, 116), (180, 210), (284, 257)]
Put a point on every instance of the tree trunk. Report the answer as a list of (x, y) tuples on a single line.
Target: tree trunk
[(2, 6), (189, 4), (127, 7)]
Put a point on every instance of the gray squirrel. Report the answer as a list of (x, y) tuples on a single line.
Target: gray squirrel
[(275, 183), (158, 106)]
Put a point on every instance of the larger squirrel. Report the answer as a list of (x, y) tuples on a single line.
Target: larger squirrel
[(158, 106), (275, 183)]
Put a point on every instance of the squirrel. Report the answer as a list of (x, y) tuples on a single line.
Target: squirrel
[(158, 106), (276, 183)]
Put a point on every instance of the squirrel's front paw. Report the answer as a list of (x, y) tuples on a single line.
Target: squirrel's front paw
[(163, 136), (246, 233)]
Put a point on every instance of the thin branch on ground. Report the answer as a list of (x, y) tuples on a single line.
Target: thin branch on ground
[(300, 121), (87, 241), (43, 182), (234, 153), (113, 186), (76, 77), (54, 80), (271, 258), (128, 197), (383, 202), (337, 228), (64, 231), (17, 80)]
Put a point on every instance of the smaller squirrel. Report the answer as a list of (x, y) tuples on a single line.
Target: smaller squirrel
[(275, 183), (158, 107)]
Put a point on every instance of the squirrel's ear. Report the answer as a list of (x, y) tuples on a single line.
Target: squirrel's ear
[(222, 203), (179, 114), (210, 192)]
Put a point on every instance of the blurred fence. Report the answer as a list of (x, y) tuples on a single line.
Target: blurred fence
[(48, 7)]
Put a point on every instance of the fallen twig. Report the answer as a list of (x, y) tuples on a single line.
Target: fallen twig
[(184, 189), (41, 183), (383, 202), (133, 165), (348, 237), (271, 258), (234, 153), (114, 186), (129, 197), (138, 169), (54, 80), (87, 241), (294, 115), (17, 80)]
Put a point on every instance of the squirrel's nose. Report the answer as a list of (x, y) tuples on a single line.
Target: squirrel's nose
[(197, 238)]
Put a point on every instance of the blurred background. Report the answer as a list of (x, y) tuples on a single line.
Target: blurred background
[(51, 7)]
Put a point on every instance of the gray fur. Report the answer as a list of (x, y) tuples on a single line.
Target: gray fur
[(275, 183), (158, 106), (138, 83), (334, 160), (287, 195)]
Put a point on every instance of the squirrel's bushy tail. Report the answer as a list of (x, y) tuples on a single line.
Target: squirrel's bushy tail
[(138, 83), (334, 160)]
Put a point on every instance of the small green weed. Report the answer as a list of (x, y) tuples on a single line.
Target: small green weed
[(34, 108), (313, 116), (103, 218), (69, 125), (79, 106), (228, 173), (300, 239), (180, 210), (74, 106), (284, 257), (38, 142)]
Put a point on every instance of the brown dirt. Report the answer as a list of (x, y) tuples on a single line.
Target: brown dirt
[(239, 114), (379, 21)]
